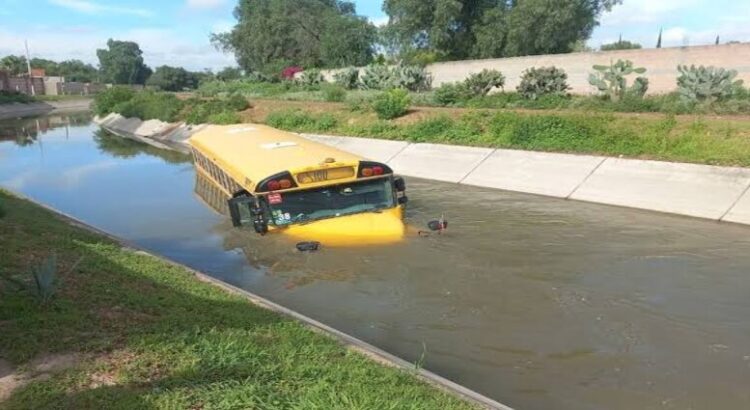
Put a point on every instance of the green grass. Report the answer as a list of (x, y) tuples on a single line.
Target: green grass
[(165, 340), (654, 137), (8, 97)]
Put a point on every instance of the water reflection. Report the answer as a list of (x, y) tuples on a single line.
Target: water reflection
[(539, 303), (25, 131)]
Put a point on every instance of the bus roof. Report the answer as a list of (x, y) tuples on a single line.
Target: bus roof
[(252, 152)]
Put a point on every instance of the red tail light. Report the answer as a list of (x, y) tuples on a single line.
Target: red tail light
[(273, 185), (377, 170), (367, 172)]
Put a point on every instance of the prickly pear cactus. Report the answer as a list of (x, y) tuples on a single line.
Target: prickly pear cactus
[(706, 84), (537, 82), (347, 78), (376, 77), (611, 80)]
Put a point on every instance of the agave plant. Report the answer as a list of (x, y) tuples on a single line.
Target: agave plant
[(699, 84), (611, 80), (45, 278)]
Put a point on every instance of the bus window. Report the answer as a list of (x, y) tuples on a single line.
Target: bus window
[(332, 201)]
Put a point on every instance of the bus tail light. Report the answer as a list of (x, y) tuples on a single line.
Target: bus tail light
[(371, 169), (277, 182)]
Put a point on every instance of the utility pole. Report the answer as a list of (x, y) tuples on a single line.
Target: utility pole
[(28, 66)]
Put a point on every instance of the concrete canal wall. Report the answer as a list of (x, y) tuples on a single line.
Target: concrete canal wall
[(703, 191), (28, 110)]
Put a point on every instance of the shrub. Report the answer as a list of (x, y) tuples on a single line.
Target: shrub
[(9, 97), (347, 78), (297, 120), (224, 117), (105, 101), (611, 80), (376, 77), (450, 94), (480, 84), (237, 102), (310, 78), (148, 105), (334, 93), (392, 104), (700, 84), (2, 209), (537, 82), (413, 78)]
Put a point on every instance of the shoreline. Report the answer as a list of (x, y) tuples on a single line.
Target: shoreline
[(19, 110)]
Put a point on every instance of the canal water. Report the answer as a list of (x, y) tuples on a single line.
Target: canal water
[(538, 303)]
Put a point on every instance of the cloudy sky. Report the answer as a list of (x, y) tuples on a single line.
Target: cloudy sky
[(175, 32)]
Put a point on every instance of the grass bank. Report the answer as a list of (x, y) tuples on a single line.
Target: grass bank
[(145, 334), (11, 97), (706, 140)]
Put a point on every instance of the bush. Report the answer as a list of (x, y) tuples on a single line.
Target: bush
[(310, 78), (237, 102), (701, 84), (224, 117), (410, 77), (392, 104), (611, 80), (9, 97), (148, 105), (480, 84), (105, 101), (2, 210), (450, 94), (537, 82), (347, 78), (376, 77), (334, 93), (297, 120)]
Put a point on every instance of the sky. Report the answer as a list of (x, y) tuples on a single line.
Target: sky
[(176, 32)]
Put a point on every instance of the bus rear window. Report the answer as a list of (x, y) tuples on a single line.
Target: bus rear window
[(332, 201)]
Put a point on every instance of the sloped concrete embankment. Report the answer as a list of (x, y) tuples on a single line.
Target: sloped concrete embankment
[(703, 191), (18, 110)]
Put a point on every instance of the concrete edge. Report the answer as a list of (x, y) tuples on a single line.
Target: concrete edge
[(346, 340)]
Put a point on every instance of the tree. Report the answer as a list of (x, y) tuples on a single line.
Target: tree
[(122, 63), (658, 41), (14, 65), (620, 45), (78, 71), (50, 67), (273, 34), (229, 73), (458, 29), (172, 79)]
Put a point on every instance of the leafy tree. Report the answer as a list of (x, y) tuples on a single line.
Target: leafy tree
[(50, 67), (78, 71), (172, 79), (457, 29), (273, 34), (122, 63), (620, 45), (15, 65), (229, 73)]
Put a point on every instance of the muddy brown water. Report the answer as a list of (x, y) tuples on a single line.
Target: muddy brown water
[(538, 303)]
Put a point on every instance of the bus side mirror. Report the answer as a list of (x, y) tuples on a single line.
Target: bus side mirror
[(399, 184)]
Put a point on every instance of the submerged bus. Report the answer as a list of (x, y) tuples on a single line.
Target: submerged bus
[(277, 181)]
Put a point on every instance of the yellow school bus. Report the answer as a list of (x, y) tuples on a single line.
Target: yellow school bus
[(279, 182)]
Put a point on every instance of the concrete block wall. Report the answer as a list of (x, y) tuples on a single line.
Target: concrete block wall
[(661, 65)]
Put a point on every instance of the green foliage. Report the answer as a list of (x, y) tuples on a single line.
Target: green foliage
[(105, 101), (706, 84), (537, 82), (334, 93), (310, 78), (611, 80), (273, 34), (376, 77), (481, 83), (229, 74), (298, 120), (237, 102), (621, 45), (224, 118), (168, 78), (45, 278), (456, 30), (2, 210), (392, 104), (14, 65), (451, 94), (347, 78), (122, 63), (9, 97), (149, 105), (215, 111)]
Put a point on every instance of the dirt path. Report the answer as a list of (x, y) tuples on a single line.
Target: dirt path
[(12, 378)]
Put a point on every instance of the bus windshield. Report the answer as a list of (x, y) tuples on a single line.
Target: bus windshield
[(331, 201)]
